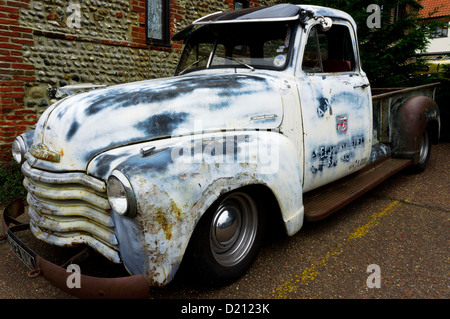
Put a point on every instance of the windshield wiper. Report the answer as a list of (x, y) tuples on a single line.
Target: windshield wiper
[(192, 64), (224, 57), (238, 61)]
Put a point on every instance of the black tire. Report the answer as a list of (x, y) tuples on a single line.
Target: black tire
[(424, 153), (227, 239)]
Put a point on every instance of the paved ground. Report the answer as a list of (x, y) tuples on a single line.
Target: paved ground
[(402, 226)]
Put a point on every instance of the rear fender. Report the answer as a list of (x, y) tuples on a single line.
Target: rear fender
[(410, 121)]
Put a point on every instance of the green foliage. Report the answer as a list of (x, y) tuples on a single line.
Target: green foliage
[(443, 100), (388, 54), (446, 73), (11, 187)]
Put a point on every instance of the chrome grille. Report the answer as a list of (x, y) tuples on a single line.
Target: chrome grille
[(67, 209)]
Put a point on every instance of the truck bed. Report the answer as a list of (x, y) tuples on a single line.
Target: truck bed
[(385, 100)]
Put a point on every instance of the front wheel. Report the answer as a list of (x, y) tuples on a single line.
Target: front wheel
[(227, 239)]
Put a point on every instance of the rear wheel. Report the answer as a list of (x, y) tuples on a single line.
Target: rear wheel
[(227, 239), (424, 153)]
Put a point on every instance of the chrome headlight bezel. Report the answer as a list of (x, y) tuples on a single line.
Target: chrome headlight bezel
[(120, 194), (18, 149)]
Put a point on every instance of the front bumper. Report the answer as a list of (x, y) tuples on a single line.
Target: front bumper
[(132, 287)]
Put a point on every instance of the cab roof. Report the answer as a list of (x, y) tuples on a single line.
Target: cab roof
[(279, 12)]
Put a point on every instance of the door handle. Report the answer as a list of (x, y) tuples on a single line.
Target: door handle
[(364, 85)]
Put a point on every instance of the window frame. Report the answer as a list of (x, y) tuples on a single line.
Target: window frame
[(355, 49), (440, 32), (289, 57), (165, 22)]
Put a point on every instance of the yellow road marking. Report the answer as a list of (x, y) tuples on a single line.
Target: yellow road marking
[(363, 230), (310, 273)]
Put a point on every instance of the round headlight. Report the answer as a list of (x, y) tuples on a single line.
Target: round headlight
[(18, 150), (121, 195)]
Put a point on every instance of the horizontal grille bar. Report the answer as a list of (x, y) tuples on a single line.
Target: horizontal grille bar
[(51, 207), (63, 178), (67, 192), (71, 224), (69, 239)]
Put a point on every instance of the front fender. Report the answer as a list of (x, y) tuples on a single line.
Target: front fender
[(176, 185)]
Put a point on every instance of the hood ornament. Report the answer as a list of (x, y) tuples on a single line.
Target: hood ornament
[(42, 151)]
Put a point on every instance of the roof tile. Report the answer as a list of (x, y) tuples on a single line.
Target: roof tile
[(429, 6)]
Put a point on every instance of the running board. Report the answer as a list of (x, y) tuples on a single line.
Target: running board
[(322, 202)]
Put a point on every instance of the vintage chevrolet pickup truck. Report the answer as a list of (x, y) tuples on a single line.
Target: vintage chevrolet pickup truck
[(268, 118)]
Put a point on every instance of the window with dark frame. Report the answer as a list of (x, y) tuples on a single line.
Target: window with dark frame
[(241, 4), (400, 11), (329, 52), (440, 32), (157, 22)]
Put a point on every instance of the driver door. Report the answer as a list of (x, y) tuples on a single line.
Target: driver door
[(336, 106)]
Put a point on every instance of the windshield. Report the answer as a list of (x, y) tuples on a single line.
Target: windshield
[(238, 45)]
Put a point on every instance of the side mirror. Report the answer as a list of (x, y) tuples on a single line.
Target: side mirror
[(325, 23)]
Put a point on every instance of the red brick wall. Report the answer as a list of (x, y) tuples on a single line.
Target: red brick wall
[(176, 14), (138, 33), (14, 73)]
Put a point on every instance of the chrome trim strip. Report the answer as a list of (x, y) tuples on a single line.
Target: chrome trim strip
[(263, 117), (247, 20), (206, 16)]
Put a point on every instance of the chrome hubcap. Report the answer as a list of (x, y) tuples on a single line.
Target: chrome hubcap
[(233, 229), (226, 225), (424, 147)]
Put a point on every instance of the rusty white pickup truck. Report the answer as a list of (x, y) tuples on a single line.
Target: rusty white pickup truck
[(269, 118)]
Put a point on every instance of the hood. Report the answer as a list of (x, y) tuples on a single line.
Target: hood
[(87, 124)]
